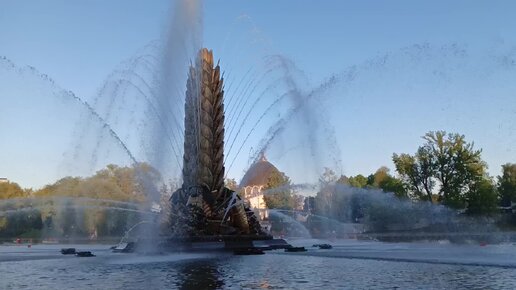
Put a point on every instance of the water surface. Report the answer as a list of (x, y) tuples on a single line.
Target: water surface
[(349, 265)]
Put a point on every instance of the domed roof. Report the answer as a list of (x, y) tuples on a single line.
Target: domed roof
[(258, 173)]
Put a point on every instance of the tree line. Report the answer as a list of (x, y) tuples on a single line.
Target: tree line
[(445, 170), (448, 170), (103, 205)]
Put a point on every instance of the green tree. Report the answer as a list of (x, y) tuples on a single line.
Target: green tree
[(11, 190), (381, 179), (3, 224), (384, 180), (325, 198), (68, 219), (416, 173), (26, 223), (482, 198), (74, 218), (359, 181), (394, 185), (343, 179), (113, 182), (446, 161), (380, 176), (507, 184), (278, 192), (80, 217), (457, 164)]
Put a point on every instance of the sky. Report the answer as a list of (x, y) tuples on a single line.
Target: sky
[(402, 68)]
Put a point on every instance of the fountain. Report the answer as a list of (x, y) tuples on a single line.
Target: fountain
[(203, 209), (136, 115)]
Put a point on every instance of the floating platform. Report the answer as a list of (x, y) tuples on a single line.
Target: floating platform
[(68, 251), (84, 254), (323, 246), (295, 249)]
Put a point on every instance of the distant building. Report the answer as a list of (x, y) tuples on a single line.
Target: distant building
[(3, 180), (253, 182)]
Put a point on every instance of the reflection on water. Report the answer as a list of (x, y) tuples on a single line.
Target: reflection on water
[(199, 275)]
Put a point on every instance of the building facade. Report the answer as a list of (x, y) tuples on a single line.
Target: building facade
[(253, 183)]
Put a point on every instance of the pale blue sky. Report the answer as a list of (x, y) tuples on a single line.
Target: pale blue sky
[(410, 76)]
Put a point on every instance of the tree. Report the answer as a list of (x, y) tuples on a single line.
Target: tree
[(381, 179), (446, 161), (21, 223), (394, 185), (416, 173), (482, 198), (113, 182), (325, 196), (343, 179), (68, 219), (457, 165), (11, 190), (70, 216), (327, 177), (507, 184), (278, 192), (359, 181)]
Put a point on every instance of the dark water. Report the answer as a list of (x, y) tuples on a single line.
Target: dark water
[(349, 265)]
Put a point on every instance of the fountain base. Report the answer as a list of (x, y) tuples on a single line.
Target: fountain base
[(218, 243), (223, 243)]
